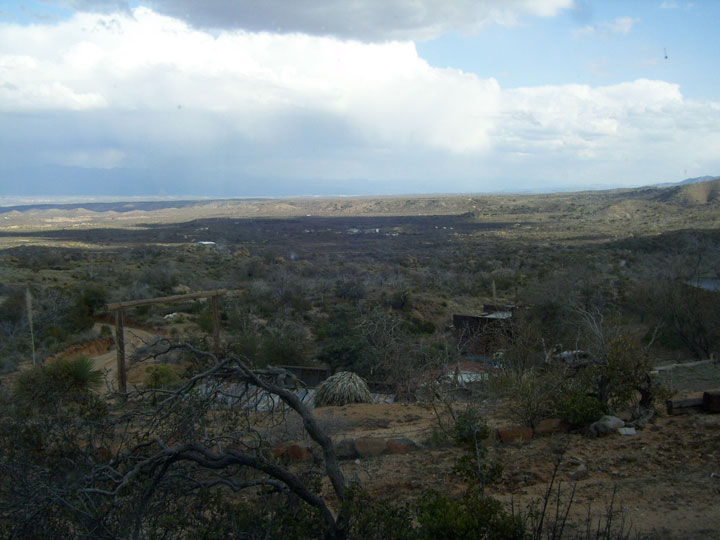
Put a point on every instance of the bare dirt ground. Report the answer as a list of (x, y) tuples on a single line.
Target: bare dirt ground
[(666, 478)]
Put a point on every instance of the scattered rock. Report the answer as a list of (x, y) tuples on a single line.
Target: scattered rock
[(346, 449), (286, 451), (641, 417), (515, 435), (580, 473), (400, 446), (278, 451), (297, 453), (376, 423), (370, 446), (627, 431), (605, 426), (524, 478), (551, 425)]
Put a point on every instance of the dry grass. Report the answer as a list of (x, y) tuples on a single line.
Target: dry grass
[(342, 388)]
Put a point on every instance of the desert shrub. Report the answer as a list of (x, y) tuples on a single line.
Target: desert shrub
[(161, 279), (353, 290), (470, 427), (622, 379), (421, 326), (94, 298), (437, 438), (206, 319), (433, 516), (12, 309), (377, 518), (531, 396), (56, 333), (578, 408), (469, 432), (65, 384), (401, 300), (342, 346), (286, 345), (473, 515), (7, 365), (161, 376)]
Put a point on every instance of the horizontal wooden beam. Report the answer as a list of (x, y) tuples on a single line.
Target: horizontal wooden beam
[(164, 299), (684, 406)]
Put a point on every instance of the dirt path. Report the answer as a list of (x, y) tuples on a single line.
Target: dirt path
[(107, 361)]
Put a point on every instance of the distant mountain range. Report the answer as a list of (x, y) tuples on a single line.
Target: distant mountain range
[(688, 181)]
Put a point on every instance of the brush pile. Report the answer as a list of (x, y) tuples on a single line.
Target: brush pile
[(342, 388)]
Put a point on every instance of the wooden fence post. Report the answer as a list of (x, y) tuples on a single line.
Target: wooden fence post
[(119, 307)]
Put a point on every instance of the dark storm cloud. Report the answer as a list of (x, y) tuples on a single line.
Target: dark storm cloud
[(366, 20)]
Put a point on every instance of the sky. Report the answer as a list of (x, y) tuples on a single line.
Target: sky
[(245, 98)]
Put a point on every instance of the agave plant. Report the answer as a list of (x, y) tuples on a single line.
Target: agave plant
[(342, 388)]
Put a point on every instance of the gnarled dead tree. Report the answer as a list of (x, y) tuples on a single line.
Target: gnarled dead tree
[(162, 448)]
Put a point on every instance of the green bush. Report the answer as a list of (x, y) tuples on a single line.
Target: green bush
[(433, 516), (401, 300), (578, 409), (70, 378), (373, 518), (474, 515), (470, 428), (161, 376), (353, 290)]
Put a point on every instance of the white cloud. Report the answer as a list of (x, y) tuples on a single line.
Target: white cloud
[(620, 26), (153, 62), (366, 20), (30, 84), (150, 91), (580, 121)]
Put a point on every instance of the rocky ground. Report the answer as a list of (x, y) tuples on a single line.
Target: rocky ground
[(665, 478)]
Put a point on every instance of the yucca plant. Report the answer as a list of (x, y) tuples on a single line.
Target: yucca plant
[(342, 388), (75, 375)]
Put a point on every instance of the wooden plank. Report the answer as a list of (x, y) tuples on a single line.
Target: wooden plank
[(684, 406), (164, 299), (711, 401)]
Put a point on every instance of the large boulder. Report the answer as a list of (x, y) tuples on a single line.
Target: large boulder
[(370, 446), (551, 425), (346, 449), (401, 446), (515, 435), (605, 426)]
